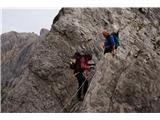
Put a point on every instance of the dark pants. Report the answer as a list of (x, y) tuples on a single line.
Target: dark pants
[(107, 50), (81, 80)]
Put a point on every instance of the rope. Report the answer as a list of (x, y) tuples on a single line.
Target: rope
[(72, 96)]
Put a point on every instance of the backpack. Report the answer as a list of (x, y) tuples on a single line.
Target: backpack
[(116, 39)]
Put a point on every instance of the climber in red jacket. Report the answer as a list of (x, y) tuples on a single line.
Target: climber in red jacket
[(81, 65)]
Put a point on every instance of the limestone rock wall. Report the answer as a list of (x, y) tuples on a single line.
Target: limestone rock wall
[(129, 82)]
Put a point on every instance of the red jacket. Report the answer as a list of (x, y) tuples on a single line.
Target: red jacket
[(83, 64)]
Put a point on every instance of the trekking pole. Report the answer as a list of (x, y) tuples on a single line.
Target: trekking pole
[(72, 97)]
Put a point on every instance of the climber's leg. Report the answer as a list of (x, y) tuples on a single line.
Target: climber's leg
[(107, 50), (85, 87), (80, 79)]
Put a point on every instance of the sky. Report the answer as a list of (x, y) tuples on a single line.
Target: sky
[(27, 20)]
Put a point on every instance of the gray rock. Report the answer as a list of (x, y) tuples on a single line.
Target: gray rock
[(16, 52), (43, 33), (129, 82)]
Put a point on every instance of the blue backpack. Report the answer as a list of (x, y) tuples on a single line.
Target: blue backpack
[(116, 39)]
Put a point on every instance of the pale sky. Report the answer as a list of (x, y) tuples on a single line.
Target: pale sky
[(27, 20)]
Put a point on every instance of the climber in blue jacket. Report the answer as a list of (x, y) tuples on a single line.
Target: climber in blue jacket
[(109, 44)]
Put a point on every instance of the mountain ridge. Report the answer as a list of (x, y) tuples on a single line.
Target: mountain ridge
[(128, 82)]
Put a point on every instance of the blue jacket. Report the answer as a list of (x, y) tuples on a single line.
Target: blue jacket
[(109, 41)]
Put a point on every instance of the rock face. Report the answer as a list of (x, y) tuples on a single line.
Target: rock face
[(16, 51), (16, 48), (128, 82)]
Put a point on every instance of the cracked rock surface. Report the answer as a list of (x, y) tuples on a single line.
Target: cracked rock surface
[(128, 82)]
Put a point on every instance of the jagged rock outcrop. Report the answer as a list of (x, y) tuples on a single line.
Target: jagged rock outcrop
[(129, 82), (16, 51), (43, 33)]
